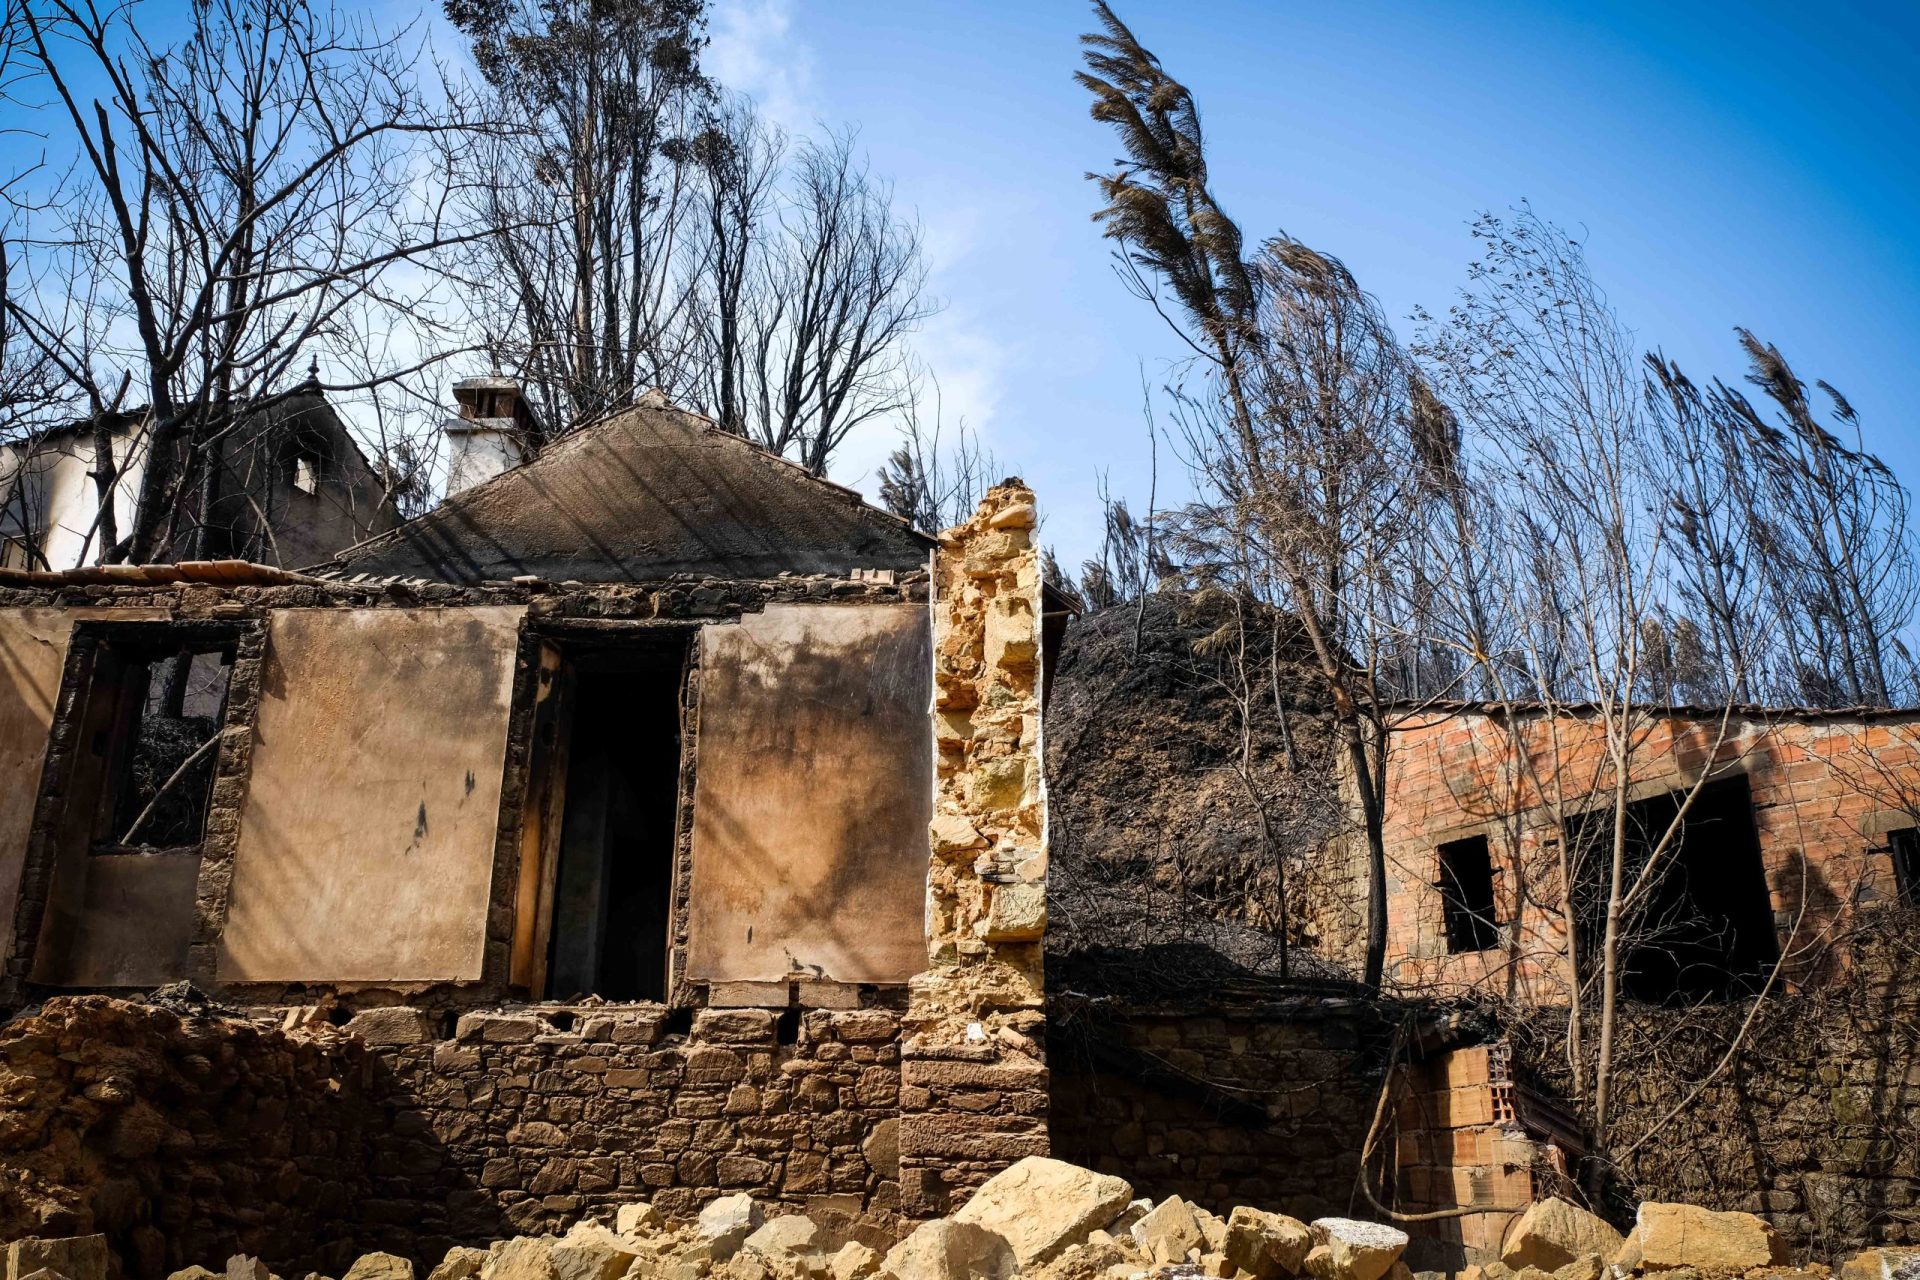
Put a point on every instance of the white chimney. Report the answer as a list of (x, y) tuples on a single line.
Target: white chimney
[(495, 431)]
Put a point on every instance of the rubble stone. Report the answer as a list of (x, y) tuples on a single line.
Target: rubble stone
[(461, 1263), (945, 1249), (75, 1257), (639, 1218), (1588, 1266), (1266, 1245), (727, 1222), (854, 1261), (1041, 1206), (793, 1234), (1167, 1232), (1553, 1233), (1348, 1249), (379, 1266), (1882, 1264), (521, 1258), (1683, 1235)]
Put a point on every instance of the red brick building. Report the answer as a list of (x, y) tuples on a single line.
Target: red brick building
[(1766, 829)]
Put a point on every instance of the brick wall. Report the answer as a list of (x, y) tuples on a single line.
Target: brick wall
[(1830, 786), (1458, 1142)]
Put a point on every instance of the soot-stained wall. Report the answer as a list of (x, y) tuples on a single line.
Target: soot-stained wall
[(815, 786), (367, 840)]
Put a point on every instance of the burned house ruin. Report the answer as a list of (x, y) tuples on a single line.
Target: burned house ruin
[(661, 818)]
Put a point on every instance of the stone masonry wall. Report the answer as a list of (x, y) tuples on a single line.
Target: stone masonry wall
[(1266, 1105), (185, 1137), (188, 1138), (1814, 1122), (974, 1065), (549, 1116)]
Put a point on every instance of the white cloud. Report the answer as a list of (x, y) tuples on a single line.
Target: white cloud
[(753, 49)]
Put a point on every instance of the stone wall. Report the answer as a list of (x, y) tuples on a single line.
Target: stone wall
[(1266, 1105), (185, 1137), (188, 1138), (1814, 1122), (974, 1062)]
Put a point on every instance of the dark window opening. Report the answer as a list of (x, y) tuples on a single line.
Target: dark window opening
[(1706, 929), (1466, 895), (612, 748), (1904, 846), (154, 709)]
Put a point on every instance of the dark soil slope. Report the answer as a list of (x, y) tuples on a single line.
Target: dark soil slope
[(1179, 790)]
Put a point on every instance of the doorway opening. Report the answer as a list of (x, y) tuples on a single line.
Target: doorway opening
[(604, 809)]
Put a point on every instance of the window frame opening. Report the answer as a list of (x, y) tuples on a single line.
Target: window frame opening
[(113, 833), (1706, 932), (1903, 848), (1469, 897), (134, 673), (602, 822)]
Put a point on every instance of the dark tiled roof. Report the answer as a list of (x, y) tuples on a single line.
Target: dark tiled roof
[(647, 493)]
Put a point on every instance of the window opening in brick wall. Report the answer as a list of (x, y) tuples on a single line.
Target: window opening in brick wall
[(607, 792), (1904, 846), (1466, 895), (1706, 930)]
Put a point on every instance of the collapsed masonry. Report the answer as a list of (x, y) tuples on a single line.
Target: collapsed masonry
[(596, 804), (655, 820)]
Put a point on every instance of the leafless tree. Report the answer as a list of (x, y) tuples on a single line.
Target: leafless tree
[(1799, 559), (650, 230), (933, 480), (233, 196), (587, 199), (1578, 550), (1302, 416), (839, 286)]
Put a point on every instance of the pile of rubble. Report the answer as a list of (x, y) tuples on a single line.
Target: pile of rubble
[(1045, 1219)]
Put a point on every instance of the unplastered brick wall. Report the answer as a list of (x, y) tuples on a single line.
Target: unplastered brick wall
[(1827, 788), (974, 1061), (1458, 1143)]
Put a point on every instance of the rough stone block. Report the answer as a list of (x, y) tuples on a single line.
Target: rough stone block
[(748, 995), (379, 1266), (1348, 1249), (1553, 1233), (1671, 1236), (392, 1026), (1042, 1206), (75, 1257), (947, 1250)]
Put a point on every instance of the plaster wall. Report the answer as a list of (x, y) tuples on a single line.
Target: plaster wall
[(813, 792), (367, 836)]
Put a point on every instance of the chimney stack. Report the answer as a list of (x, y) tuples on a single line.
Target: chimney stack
[(495, 432)]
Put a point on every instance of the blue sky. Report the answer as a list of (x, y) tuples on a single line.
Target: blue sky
[(1730, 164)]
